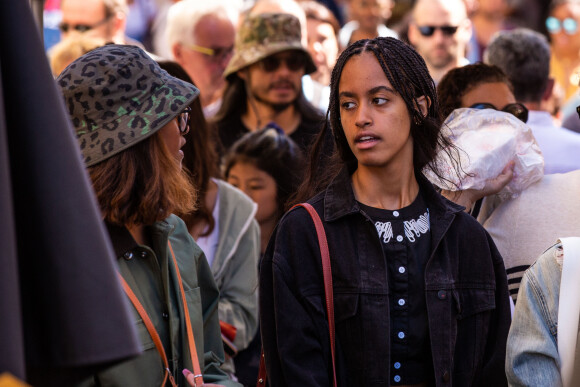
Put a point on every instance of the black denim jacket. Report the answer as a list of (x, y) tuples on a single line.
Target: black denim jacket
[(465, 285)]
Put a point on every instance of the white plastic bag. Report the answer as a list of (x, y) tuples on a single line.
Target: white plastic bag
[(488, 140)]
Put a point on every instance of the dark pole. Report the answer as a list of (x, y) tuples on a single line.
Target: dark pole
[(38, 12)]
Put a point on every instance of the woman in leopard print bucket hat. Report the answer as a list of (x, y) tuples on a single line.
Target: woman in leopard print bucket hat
[(130, 117)]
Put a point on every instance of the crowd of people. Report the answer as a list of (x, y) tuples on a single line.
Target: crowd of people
[(203, 132)]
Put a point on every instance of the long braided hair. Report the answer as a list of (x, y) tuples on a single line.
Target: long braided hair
[(406, 71)]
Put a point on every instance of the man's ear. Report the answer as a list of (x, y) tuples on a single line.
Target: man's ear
[(412, 33), (423, 103), (549, 89), (243, 74), (177, 52)]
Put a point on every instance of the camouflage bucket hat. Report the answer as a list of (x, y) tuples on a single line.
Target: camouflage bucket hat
[(118, 96), (267, 34)]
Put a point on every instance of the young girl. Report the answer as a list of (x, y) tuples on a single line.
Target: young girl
[(420, 291), (268, 167)]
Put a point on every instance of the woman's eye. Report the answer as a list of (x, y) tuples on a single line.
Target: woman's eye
[(255, 187), (347, 105), (379, 101)]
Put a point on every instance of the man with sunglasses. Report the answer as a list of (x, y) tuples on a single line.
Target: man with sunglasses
[(265, 81), (440, 32), (104, 19), (524, 55), (200, 35)]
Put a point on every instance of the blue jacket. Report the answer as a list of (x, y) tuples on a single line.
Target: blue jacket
[(465, 288)]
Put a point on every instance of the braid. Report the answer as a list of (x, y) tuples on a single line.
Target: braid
[(407, 72)]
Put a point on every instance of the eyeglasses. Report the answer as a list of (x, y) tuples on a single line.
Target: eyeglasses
[(293, 62), (515, 109), (64, 27), (216, 54), (554, 25), (430, 30), (183, 121)]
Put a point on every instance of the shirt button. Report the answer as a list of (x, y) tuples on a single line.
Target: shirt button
[(442, 294), (165, 315), (143, 254), (401, 335), (395, 213), (397, 365), (401, 302), (128, 255), (399, 238), (397, 378), (402, 269)]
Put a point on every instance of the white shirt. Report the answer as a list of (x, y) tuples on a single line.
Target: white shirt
[(209, 242), (560, 147)]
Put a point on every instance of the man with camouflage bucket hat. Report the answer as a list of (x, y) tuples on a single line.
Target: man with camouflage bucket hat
[(264, 81), (130, 117)]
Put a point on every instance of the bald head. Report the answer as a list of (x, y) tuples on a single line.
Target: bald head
[(440, 31)]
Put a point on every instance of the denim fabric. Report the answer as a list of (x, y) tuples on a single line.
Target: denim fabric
[(532, 350), (465, 290)]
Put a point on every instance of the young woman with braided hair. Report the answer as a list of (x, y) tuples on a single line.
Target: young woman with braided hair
[(420, 291)]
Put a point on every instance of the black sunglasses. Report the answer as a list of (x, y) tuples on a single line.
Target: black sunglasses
[(430, 30), (64, 27), (293, 62), (515, 109)]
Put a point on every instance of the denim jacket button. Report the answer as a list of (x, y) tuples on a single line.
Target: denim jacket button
[(128, 255), (445, 376), (442, 294)]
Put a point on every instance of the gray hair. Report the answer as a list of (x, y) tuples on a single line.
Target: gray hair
[(524, 55), (184, 15)]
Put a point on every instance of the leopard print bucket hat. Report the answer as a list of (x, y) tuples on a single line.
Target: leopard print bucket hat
[(117, 96)]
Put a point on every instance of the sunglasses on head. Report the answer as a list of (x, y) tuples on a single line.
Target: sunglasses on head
[(515, 109), (555, 25), (65, 27), (294, 62), (216, 54), (430, 30)]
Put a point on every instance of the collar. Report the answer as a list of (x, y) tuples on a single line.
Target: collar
[(123, 242), (540, 119), (339, 198)]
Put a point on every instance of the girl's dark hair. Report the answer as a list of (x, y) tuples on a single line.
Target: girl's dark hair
[(406, 71), (271, 151), (461, 80), (200, 154)]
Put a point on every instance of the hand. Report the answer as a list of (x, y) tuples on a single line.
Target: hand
[(467, 197), (191, 380)]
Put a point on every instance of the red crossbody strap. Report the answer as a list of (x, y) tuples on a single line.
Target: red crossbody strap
[(327, 275), (150, 328), (198, 376), (328, 291)]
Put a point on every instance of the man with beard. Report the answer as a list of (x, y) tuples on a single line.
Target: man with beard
[(440, 31), (264, 82)]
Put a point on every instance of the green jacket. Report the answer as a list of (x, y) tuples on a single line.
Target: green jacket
[(150, 272)]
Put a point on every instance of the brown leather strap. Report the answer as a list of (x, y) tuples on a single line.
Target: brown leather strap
[(262, 374), (327, 275), (150, 328), (198, 376), (328, 291)]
